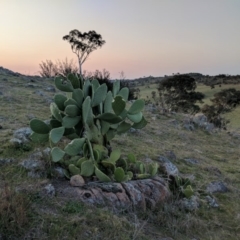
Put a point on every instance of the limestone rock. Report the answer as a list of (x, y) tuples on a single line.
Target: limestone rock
[(22, 134), (168, 167), (190, 204), (49, 190), (77, 181), (216, 186), (212, 202), (192, 161), (141, 194)]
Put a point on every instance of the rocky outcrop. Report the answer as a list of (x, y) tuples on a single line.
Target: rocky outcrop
[(140, 194)]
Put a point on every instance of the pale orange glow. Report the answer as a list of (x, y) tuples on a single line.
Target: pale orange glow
[(142, 37)]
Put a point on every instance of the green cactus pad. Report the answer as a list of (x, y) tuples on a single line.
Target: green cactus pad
[(72, 110), (130, 175), (116, 88), (136, 118), (136, 107), (118, 105), (95, 84), (119, 174), (99, 95), (123, 115), (80, 161), (77, 95), (115, 155), (75, 146), (63, 85), (141, 124), (108, 103), (86, 88), (57, 154), (69, 122), (101, 176), (55, 123), (56, 134), (73, 169), (109, 165), (87, 168), (70, 101), (85, 109), (39, 126), (105, 127), (110, 134), (188, 191), (39, 138), (85, 149), (74, 80), (110, 118), (122, 163), (96, 155), (124, 93), (123, 127), (131, 158), (55, 112), (103, 150), (59, 99), (143, 176), (153, 169)]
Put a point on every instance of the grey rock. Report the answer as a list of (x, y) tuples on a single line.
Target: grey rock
[(5, 79), (46, 152), (168, 167), (32, 164), (1, 93), (189, 126), (29, 85), (133, 130), (35, 174), (16, 142), (190, 204), (50, 190), (22, 134), (4, 161), (118, 196), (216, 186), (77, 181), (58, 172), (40, 93), (212, 202), (199, 119), (51, 89), (192, 161), (209, 127), (30, 116)]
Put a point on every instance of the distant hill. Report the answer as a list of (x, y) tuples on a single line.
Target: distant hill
[(5, 71)]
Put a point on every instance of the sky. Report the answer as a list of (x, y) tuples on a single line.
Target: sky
[(143, 37)]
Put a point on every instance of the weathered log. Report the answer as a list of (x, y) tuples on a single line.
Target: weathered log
[(140, 194)]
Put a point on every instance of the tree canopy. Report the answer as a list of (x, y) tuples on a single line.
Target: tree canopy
[(178, 93), (82, 44)]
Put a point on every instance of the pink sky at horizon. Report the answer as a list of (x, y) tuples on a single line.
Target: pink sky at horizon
[(154, 37)]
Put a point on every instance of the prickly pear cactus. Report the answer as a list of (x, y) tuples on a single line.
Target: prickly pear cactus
[(90, 116)]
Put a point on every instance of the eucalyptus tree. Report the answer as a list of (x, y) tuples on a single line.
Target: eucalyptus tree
[(82, 44)]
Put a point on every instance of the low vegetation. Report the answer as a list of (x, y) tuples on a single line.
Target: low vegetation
[(39, 216)]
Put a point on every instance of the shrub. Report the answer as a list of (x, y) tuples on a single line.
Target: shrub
[(178, 93)]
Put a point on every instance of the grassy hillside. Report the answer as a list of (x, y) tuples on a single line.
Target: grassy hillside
[(27, 214), (233, 116)]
